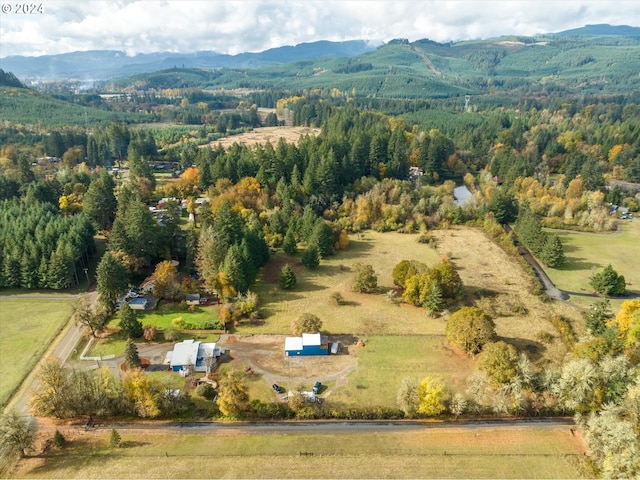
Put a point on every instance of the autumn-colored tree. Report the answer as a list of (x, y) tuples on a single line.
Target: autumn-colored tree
[(306, 323), (233, 395), (470, 328), (139, 394), (433, 395), (499, 360), (449, 279), (150, 333), (405, 270), (166, 281), (190, 175), (627, 322), (343, 241)]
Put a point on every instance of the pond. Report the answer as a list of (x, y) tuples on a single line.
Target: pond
[(462, 194)]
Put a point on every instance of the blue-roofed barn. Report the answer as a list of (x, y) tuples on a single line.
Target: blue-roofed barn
[(307, 344)]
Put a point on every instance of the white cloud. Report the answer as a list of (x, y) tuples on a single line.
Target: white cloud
[(256, 25)]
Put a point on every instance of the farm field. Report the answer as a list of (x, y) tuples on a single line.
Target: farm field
[(401, 340), (28, 324), (430, 452), (492, 280), (588, 253), (263, 134)]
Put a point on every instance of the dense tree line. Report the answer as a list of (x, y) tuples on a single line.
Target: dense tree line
[(39, 248)]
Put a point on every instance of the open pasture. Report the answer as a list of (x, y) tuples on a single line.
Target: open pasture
[(492, 280), (589, 253), (262, 135), (437, 451), (385, 361), (28, 325)]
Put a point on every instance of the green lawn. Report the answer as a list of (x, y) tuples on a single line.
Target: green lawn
[(27, 326), (385, 361), (162, 318), (588, 253), (164, 315), (436, 452)]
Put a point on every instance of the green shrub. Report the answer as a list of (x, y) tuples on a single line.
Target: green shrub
[(178, 323), (58, 439), (171, 334), (565, 329), (206, 390), (544, 337)]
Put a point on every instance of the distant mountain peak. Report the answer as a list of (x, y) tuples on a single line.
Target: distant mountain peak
[(603, 29)]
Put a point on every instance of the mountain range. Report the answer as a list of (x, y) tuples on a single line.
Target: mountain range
[(100, 65), (96, 65)]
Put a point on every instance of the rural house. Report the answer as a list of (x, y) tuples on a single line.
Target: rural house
[(307, 344), (191, 353)]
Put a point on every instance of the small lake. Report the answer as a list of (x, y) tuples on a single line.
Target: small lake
[(462, 194)]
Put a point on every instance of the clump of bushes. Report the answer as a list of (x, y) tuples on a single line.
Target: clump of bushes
[(565, 329)]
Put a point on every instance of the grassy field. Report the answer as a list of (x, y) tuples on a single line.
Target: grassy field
[(385, 361), (28, 324), (589, 253), (492, 280), (436, 452), (360, 313)]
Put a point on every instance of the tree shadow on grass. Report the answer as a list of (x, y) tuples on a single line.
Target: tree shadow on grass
[(569, 248), (473, 293), (576, 263), (132, 444), (534, 350), (355, 250)]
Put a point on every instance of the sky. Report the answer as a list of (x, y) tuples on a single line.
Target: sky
[(228, 26)]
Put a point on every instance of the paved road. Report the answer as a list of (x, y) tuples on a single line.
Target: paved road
[(549, 288), (332, 426)]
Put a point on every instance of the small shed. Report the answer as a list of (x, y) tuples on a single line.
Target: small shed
[(306, 345), (138, 303), (192, 298)]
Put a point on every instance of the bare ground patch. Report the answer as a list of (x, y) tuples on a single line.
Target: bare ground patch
[(263, 135), (265, 355)]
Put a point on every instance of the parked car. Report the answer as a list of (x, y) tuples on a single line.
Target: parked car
[(316, 387), (277, 388)]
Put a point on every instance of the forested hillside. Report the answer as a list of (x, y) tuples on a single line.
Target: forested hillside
[(541, 66)]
